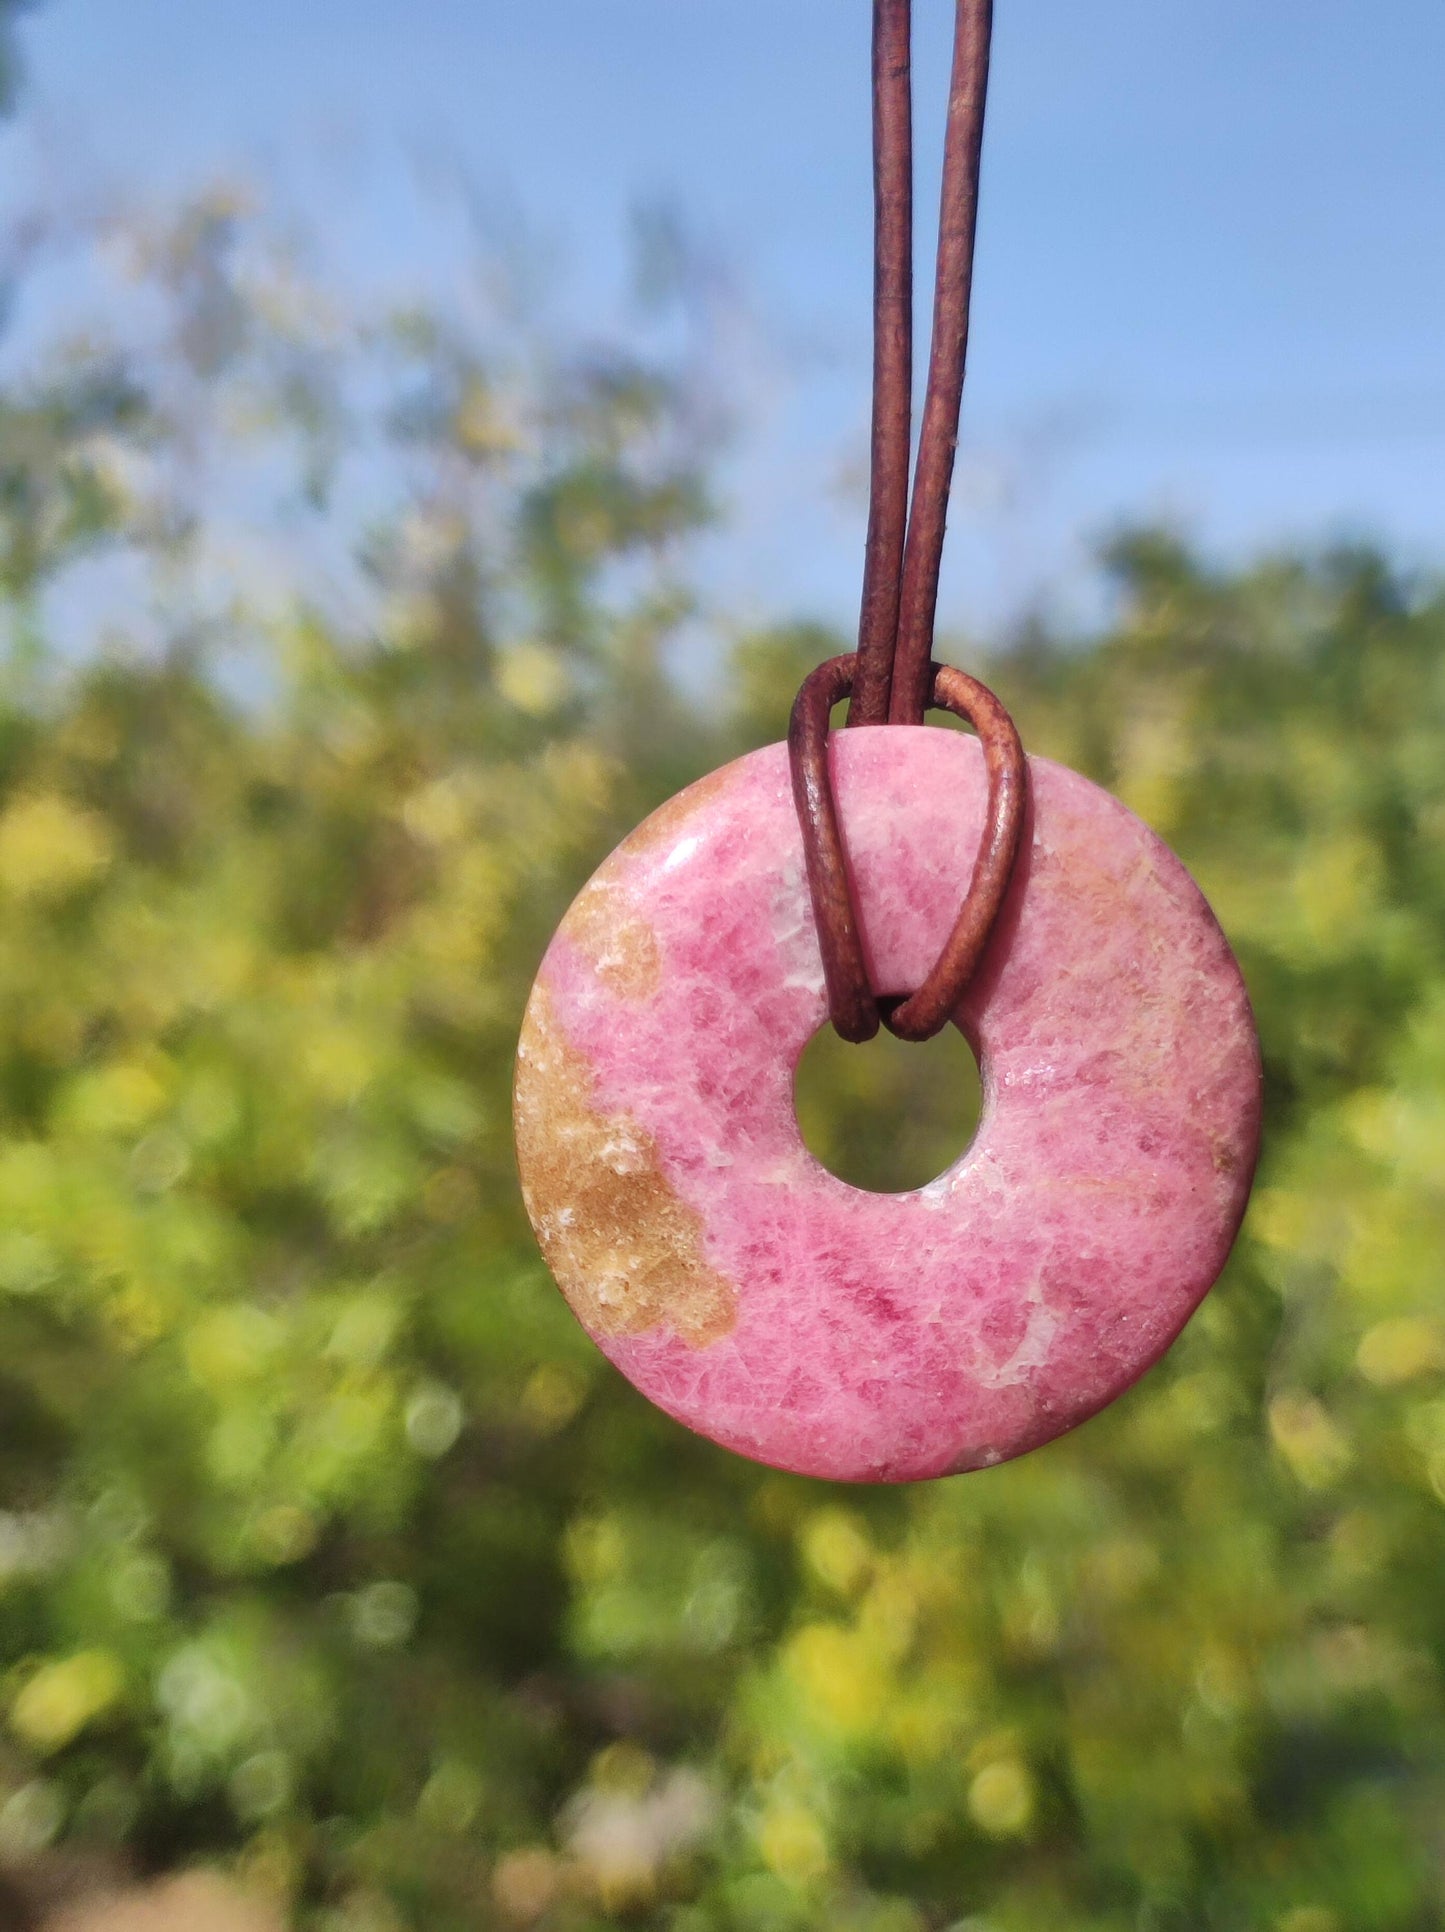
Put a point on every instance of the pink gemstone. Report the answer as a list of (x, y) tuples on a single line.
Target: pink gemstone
[(869, 1337)]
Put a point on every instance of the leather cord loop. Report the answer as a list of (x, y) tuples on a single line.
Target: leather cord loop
[(892, 677), (855, 1011)]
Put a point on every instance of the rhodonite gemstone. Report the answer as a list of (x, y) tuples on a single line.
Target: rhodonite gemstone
[(807, 1323)]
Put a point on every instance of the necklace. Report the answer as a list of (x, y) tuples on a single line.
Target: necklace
[(737, 1283)]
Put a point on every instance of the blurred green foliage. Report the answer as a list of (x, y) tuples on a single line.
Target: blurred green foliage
[(329, 1546)]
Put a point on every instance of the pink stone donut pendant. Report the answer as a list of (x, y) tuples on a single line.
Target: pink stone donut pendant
[(872, 1337)]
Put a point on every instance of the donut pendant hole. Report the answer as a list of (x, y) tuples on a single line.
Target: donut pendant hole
[(891, 1115)]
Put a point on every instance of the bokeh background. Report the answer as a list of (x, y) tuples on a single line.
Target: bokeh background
[(428, 437)]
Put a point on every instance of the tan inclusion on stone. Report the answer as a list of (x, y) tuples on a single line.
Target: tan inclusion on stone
[(678, 814), (626, 1252), (621, 948)]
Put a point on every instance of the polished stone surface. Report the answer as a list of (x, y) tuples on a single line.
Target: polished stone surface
[(874, 1337)]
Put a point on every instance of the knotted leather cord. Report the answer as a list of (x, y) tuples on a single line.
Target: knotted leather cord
[(891, 676)]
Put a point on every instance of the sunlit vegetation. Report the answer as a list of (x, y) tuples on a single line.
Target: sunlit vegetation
[(338, 649)]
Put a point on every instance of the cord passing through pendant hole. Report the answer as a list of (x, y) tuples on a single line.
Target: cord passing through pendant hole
[(890, 1115)]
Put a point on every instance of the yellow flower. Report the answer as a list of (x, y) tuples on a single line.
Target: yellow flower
[(120, 1098), (1316, 1449), (533, 678), (63, 1697), (839, 1676), (1400, 1350), (49, 846), (1001, 1798), (1308, 1918), (793, 1843), (836, 1549)]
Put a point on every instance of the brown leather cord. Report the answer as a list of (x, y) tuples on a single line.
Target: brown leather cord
[(892, 361), (851, 1005), (891, 676), (855, 1011), (953, 292)]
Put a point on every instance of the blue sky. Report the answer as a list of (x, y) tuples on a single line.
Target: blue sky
[(1212, 257)]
